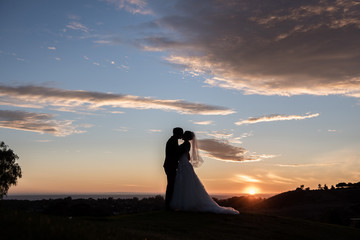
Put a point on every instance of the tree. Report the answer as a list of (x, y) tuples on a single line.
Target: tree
[(10, 171), (341, 185)]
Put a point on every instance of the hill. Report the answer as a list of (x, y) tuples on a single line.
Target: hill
[(338, 206)]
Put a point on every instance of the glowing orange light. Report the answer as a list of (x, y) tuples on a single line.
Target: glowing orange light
[(252, 191)]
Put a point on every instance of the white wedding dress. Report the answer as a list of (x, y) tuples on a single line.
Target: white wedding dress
[(190, 194)]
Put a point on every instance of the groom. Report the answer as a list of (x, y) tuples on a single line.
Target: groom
[(172, 155)]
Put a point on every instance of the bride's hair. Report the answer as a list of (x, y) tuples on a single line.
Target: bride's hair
[(188, 135), (195, 159)]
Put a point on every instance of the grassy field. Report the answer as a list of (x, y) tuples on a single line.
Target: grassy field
[(16, 224)]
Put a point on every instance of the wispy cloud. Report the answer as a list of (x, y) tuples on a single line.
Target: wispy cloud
[(43, 141), (270, 48), (103, 41), (52, 48), (279, 179), (67, 100), (222, 150), (276, 117), (226, 135), (309, 165), (133, 6), (247, 179), (122, 129), (78, 26), (267, 178), (154, 130), (204, 123), (36, 122)]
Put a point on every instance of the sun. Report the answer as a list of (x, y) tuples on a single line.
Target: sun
[(252, 191)]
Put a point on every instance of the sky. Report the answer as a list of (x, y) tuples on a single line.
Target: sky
[(91, 90)]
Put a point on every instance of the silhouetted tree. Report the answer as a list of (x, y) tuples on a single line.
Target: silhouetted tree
[(10, 171), (326, 187), (320, 187), (332, 187), (341, 185)]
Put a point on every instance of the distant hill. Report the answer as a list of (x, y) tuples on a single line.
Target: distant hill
[(338, 206)]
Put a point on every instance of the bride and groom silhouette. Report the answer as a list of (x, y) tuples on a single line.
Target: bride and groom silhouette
[(184, 191)]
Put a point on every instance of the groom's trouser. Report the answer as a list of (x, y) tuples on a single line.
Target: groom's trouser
[(171, 174)]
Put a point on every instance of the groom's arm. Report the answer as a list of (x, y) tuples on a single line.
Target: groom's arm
[(184, 148)]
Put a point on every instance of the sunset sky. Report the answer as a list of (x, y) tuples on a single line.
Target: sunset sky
[(91, 89)]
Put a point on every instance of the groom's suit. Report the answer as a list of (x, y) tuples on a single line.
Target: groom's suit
[(172, 155)]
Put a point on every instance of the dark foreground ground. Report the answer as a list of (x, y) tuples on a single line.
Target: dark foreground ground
[(16, 224), (331, 214)]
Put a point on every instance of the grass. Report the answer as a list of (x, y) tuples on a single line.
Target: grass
[(16, 224)]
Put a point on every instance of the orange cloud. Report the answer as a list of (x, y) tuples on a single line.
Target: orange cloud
[(36, 122), (272, 48), (222, 150), (68, 100), (275, 117)]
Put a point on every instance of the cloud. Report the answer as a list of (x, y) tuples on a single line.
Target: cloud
[(275, 117), (78, 26), (220, 134), (222, 150), (52, 48), (103, 41), (309, 165), (204, 123), (69, 100), (36, 122), (154, 130), (264, 47), (248, 179), (226, 135), (268, 178), (122, 129), (43, 141), (132, 6), (278, 179)]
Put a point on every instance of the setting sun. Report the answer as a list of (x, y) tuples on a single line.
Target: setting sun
[(251, 190)]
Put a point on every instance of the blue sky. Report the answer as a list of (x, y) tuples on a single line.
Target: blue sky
[(90, 92)]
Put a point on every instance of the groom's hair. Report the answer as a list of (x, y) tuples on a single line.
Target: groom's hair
[(178, 131)]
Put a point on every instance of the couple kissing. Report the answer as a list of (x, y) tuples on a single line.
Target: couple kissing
[(184, 190)]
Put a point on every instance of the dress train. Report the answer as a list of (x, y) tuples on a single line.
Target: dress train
[(190, 194)]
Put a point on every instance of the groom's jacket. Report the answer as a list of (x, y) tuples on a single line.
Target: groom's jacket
[(172, 153)]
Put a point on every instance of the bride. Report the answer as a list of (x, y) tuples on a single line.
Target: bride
[(189, 193)]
